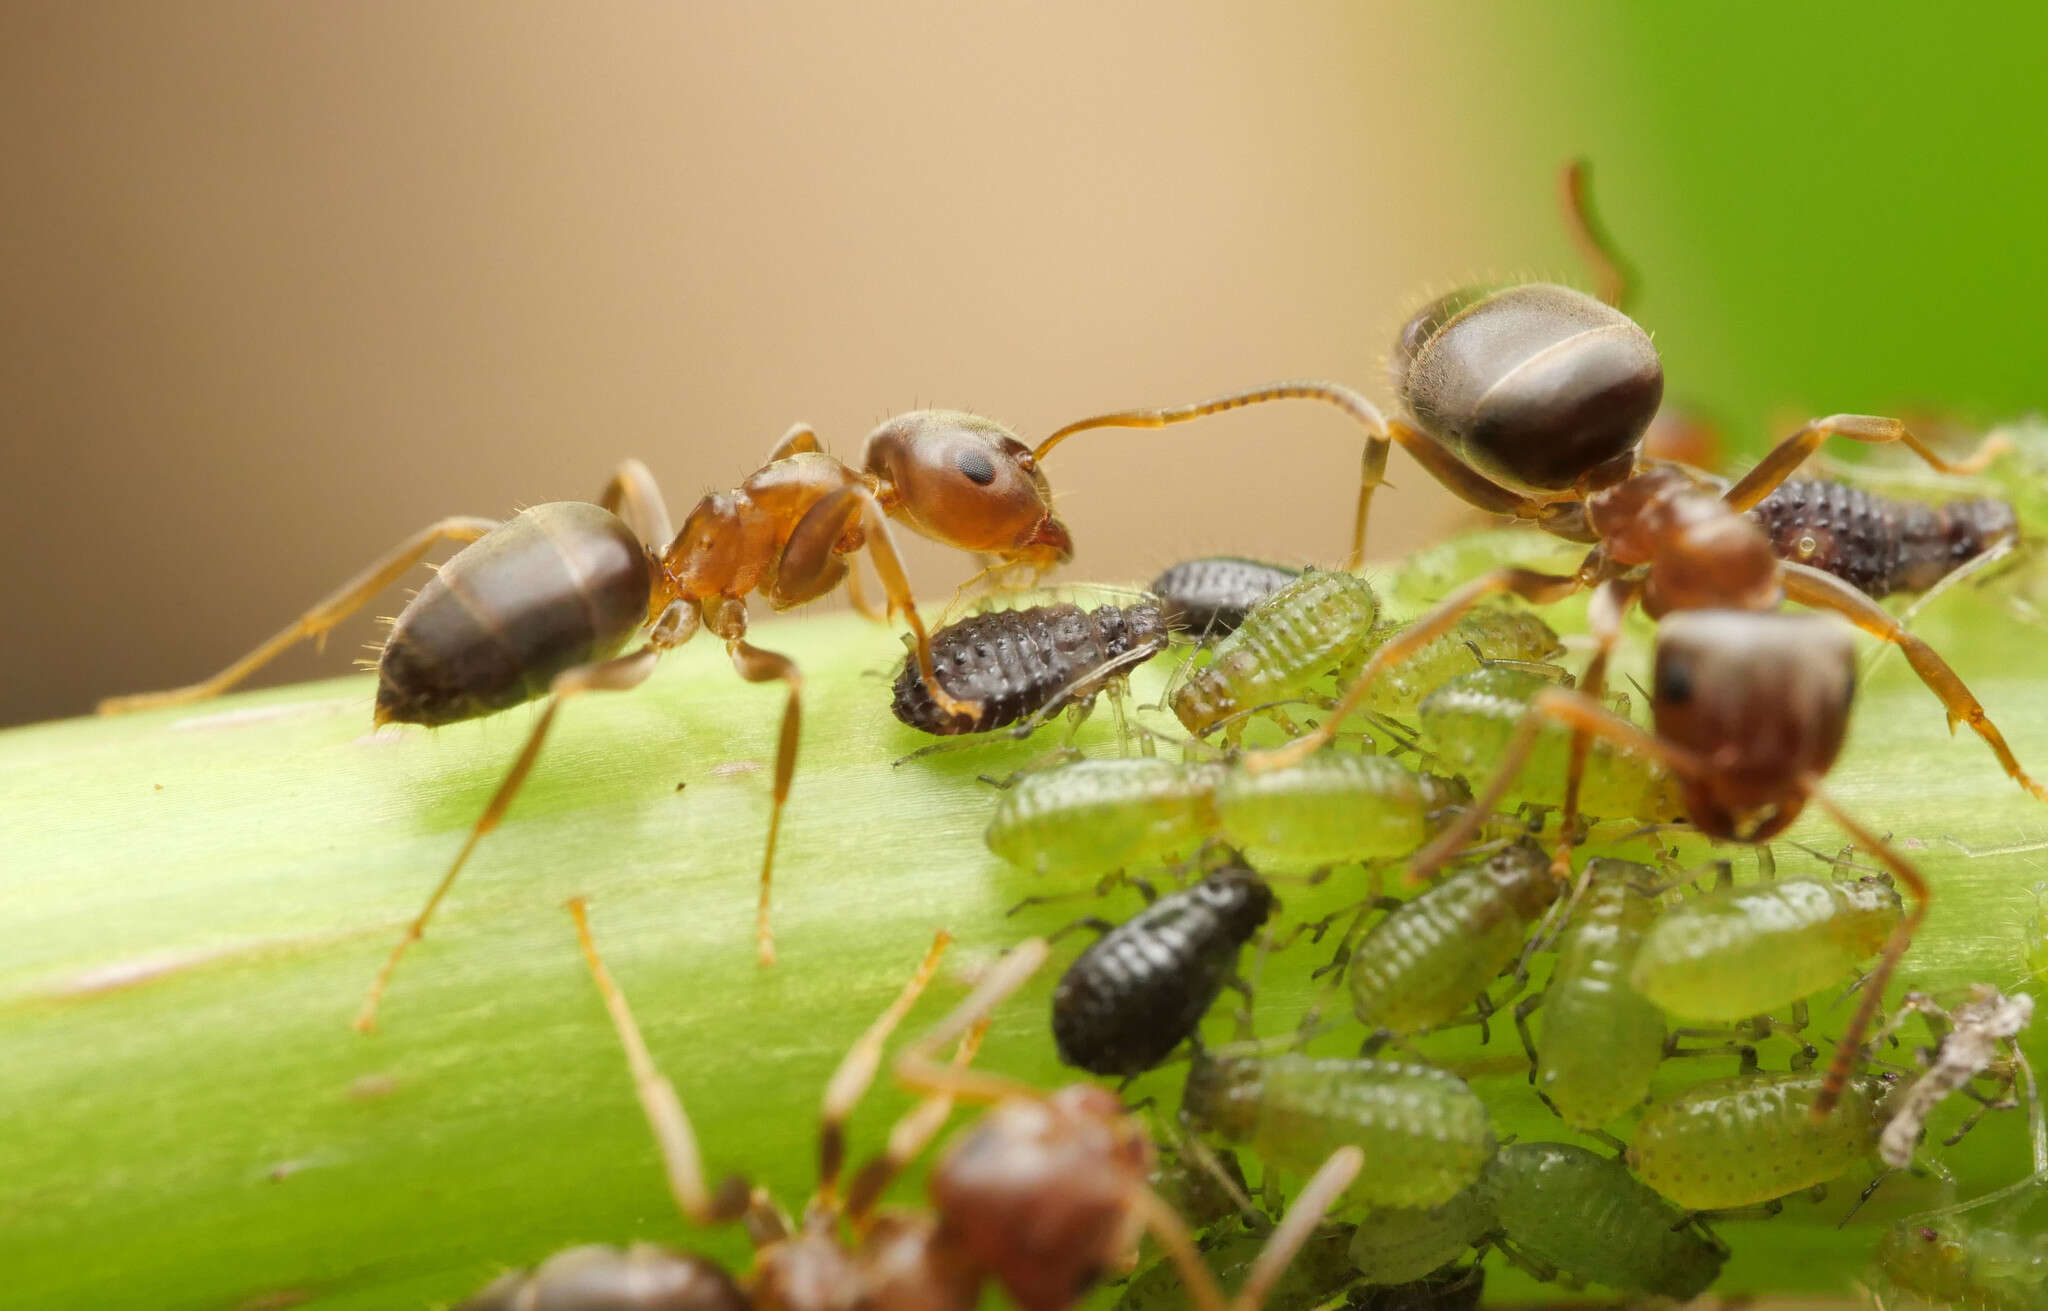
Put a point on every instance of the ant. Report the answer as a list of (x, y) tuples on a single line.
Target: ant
[(542, 604), (1532, 402)]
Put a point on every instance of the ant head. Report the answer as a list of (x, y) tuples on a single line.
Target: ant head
[(1540, 388), (1763, 699), (968, 482), (1042, 1193)]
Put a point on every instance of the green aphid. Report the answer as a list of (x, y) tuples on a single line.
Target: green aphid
[(1468, 722), (1565, 1209), (1394, 1245), (1430, 958), (1333, 808), (1739, 951), (1424, 1132), (1752, 1138), (1094, 816), (1601, 1040), (1485, 635), (1319, 1272), (1967, 1258), (1295, 637)]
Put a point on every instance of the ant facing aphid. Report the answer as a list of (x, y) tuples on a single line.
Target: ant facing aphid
[(542, 604)]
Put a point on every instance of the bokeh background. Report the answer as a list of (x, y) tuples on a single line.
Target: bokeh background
[(281, 283)]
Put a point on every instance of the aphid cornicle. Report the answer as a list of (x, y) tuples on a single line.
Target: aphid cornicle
[(1601, 1041), (1741, 950), (1874, 543), (1468, 722), (1208, 597), (1426, 1133), (1015, 664), (1753, 1137), (1396, 1245), (1142, 988), (1429, 959), (1578, 1215), (1287, 642)]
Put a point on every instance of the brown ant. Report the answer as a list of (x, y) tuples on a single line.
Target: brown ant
[(1072, 1162), (542, 604), (1750, 710), (1532, 402)]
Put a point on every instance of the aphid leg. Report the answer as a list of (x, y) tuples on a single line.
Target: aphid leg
[(330, 610), (621, 673), (856, 1073), (759, 666), (1352, 402), (1541, 1271), (634, 496), (1742, 1051), (1789, 454), (908, 1138), (918, 1071), (1523, 1010), (1609, 276), (1610, 602), (1095, 922), (1310, 1206), (681, 1160), (1537, 588), (1895, 947), (1814, 588)]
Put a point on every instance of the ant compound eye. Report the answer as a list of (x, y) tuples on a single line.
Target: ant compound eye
[(1674, 684), (974, 463)]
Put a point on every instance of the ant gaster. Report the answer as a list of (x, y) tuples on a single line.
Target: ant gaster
[(541, 605)]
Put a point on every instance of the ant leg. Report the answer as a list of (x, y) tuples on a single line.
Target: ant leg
[(330, 610), (634, 496), (680, 1158), (1901, 937), (799, 440), (907, 1138), (619, 674), (1825, 591), (857, 592), (856, 1073), (1310, 1206), (1595, 248), (1790, 453), (1610, 602), (1531, 586), (916, 1069), (759, 666)]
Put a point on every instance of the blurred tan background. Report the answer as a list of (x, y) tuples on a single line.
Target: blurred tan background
[(285, 282)]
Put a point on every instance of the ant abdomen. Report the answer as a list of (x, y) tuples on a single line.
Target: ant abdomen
[(1142, 988), (1208, 597), (642, 1277), (1877, 544), (1752, 1138), (1018, 663)]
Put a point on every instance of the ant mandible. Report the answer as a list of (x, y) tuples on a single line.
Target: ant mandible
[(1531, 402), (542, 604)]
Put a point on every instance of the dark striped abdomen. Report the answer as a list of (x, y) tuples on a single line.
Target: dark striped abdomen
[(1208, 596), (1143, 987), (1019, 662), (556, 586), (1876, 544)]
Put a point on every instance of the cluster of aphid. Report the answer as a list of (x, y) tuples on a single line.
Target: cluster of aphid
[(1530, 402)]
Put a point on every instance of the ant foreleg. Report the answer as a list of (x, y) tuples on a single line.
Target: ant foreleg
[(1789, 454), (1812, 587), (1610, 602), (759, 666), (621, 673), (330, 610), (916, 1069)]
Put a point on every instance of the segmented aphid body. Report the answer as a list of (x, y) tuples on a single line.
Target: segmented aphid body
[(1207, 598), (1875, 543), (1319, 1272), (1427, 960), (1586, 1216), (1295, 637), (1141, 989), (1601, 1040), (1426, 1132), (1019, 663), (1752, 1138), (1332, 808), (1488, 633), (1395, 1245), (1967, 1262), (642, 1277), (1738, 951), (1467, 724), (1094, 816)]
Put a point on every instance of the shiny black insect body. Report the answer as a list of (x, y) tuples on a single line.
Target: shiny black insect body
[(1207, 597), (1877, 544), (1019, 663), (1142, 988)]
